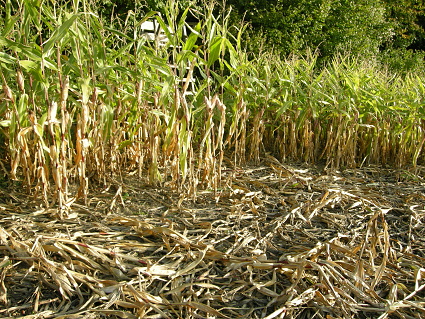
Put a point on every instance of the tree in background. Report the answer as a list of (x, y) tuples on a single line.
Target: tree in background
[(109, 8), (408, 16), (328, 26), (406, 50)]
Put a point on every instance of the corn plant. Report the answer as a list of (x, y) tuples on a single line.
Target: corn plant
[(85, 99)]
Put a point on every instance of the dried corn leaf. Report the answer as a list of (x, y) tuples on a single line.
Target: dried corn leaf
[(328, 246)]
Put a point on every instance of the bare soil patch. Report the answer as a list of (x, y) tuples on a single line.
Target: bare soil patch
[(277, 241)]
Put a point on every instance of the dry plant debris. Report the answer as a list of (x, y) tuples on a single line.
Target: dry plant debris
[(281, 242)]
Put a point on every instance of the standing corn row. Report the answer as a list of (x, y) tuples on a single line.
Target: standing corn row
[(82, 99)]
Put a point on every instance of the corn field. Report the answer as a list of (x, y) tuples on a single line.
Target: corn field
[(82, 101), (189, 178)]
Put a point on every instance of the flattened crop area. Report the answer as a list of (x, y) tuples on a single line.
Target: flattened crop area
[(276, 241)]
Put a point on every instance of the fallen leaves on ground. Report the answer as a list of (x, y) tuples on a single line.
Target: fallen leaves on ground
[(276, 241)]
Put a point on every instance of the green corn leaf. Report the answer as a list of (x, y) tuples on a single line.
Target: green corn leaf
[(29, 65), (120, 34), (166, 30), (22, 109), (183, 56), (183, 17), (234, 59), (6, 58), (9, 21), (48, 63), (146, 17), (192, 38), (30, 52), (124, 49), (86, 89), (58, 35), (107, 118), (31, 12), (215, 50), (34, 68)]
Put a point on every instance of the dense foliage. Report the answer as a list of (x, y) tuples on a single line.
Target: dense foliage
[(363, 28), (328, 25), (409, 20)]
